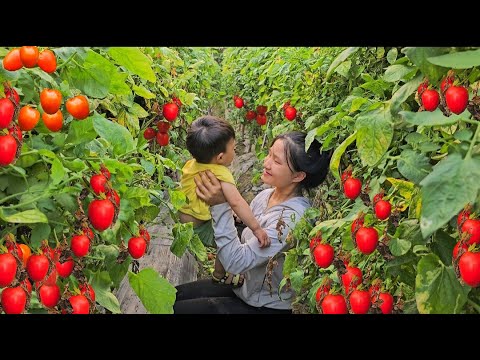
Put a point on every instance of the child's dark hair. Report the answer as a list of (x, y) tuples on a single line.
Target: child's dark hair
[(314, 162), (208, 136)]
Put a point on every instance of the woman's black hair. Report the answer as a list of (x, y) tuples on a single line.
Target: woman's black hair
[(314, 162)]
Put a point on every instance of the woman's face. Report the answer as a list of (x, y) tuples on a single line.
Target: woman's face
[(275, 168)]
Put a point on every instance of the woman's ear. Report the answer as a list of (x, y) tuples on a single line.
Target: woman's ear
[(299, 176)]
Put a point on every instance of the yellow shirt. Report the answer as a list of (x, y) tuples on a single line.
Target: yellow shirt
[(196, 207)]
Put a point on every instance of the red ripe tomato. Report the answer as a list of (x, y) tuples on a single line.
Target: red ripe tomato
[(261, 119), (8, 149), (314, 242), (66, 268), (322, 290), (357, 224), (12, 95), (170, 111), (378, 197), (446, 81), (15, 130), (105, 171), (334, 304), (50, 99), (352, 187), (29, 56), (137, 246), (7, 109), (352, 278), (80, 245), (78, 107), (49, 295), (261, 109), (386, 302), (457, 248), (12, 61), (162, 139), (463, 216), (360, 301), (79, 304), (37, 267), (100, 214), (469, 265), (472, 226), (149, 133), (239, 102), (28, 285), (14, 300), (430, 99), (290, 113), (383, 209), (47, 61), (8, 269), (88, 232), (163, 126), (113, 196), (87, 291), (53, 122), (367, 240), (346, 175), (14, 249), (323, 254), (97, 182), (423, 86), (286, 105), (28, 118), (457, 99), (250, 115), (145, 234)]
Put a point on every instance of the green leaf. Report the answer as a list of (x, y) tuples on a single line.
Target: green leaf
[(402, 94), (58, 172), (443, 246), (296, 279), (148, 166), (26, 217), (413, 166), (437, 289), (138, 111), (120, 138), (451, 185), (392, 55), (374, 135), (94, 77), (337, 155), (197, 248), (116, 271), (399, 247), (147, 213), (80, 132), (143, 92), (290, 264), (118, 84), (182, 233), (67, 201), (459, 60), (137, 197), (177, 198), (410, 230), (463, 135), (39, 232), (134, 61), (430, 118), (344, 68), (154, 291), (419, 56), (396, 72), (101, 283), (339, 59)]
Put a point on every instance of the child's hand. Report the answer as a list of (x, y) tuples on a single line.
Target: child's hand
[(262, 237)]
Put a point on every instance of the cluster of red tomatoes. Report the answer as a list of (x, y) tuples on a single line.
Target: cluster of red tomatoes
[(170, 113), (260, 114)]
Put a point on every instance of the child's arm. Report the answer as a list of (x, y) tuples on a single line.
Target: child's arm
[(242, 209)]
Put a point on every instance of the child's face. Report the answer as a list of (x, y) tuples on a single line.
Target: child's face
[(229, 153)]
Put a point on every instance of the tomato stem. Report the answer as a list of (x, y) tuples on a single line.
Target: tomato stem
[(66, 61), (474, 305), (474, 140)]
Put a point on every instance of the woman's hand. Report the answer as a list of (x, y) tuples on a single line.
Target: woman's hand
[(209, 188)]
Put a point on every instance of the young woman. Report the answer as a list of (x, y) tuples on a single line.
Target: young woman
[(288, 169)]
